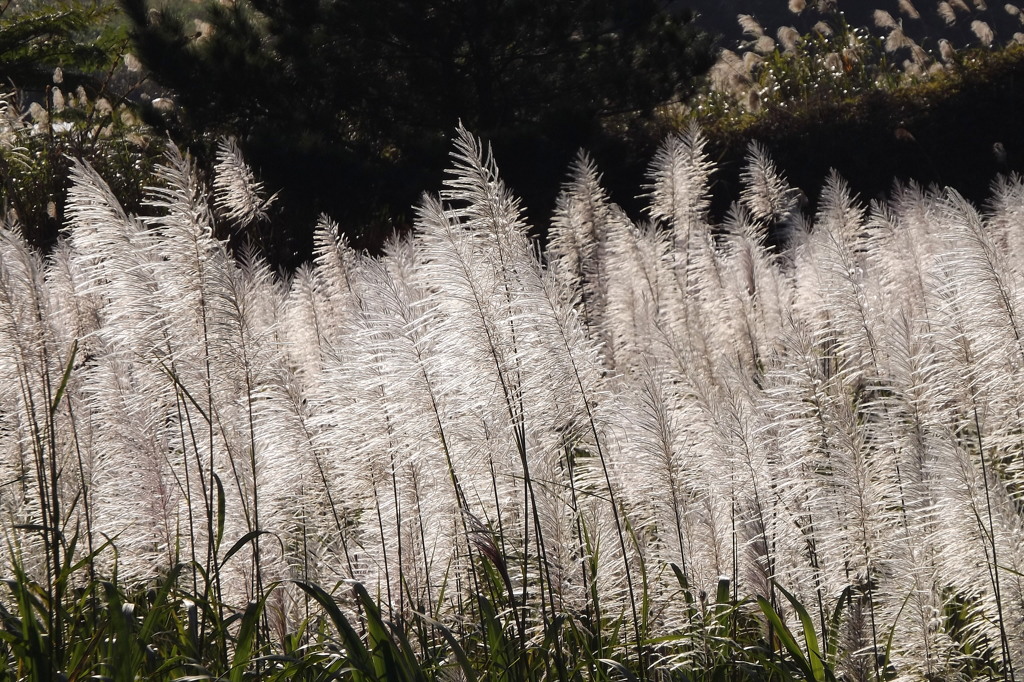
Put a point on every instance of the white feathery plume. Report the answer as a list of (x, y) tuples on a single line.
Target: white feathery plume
[(75, 311), (945, 11), (117, 259), (211, 357), (244, 301), (987, 292), (33, 450), (100, 231), (188, 257), (118, 262), (567, 409), (983, 32), (766, 192), (476, 196), (902, 260), (735, 463), (470, 257), (137, 496), (237, 194), (984, 275), (904, 249), (764, 45), (907, 8), (693, 324), (756, 288), (679, 190), (730, 73), (305, 325), (298, 495), (741, 250), (751, 60), (911, 599), (405, 435), (856, 535), (883, 19), (638, 290), (750, 26), (670, 503), (1006, 209), (866, 439), (578, 237), (335, 260), (186, 225), (385, 412), (788, 37), (846, 302), (801, 401), (74, 317), (980, 354), (521, 342), (897, 40), (563, 416)]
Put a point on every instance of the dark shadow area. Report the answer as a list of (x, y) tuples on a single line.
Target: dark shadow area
[(347, 108), (958, 132)]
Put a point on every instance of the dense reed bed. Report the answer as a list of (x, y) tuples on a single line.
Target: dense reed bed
[(663, 450)]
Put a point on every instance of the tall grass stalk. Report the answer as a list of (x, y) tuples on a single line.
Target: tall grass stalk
[(660, 451)]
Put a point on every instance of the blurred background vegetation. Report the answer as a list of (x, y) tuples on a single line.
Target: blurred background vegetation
[(345, 108)]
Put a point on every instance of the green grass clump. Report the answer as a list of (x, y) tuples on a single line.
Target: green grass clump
[(102, 628)]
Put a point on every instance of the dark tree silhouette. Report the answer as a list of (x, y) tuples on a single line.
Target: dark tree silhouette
[(347, 105)]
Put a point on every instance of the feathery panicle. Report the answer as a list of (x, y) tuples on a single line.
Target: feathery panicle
[(133, 453), (74, 310), (639, 292), (766, 192), (659, 485), (334, 259), (237, 194), (983, 32), (478, 198), (946, 12), (907, 9), (100, 230), (883, 19), (983, 274), (756, 289), (679, 174), (30, 454), (306, 325), (841, 419), (1006, 209), (750, 26), (789, 38), (578, 237)]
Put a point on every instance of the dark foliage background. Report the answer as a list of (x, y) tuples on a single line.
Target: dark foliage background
[(347, 106)]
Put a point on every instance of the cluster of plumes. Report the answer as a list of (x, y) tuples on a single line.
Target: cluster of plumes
[(745, 74), (839, 415)]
